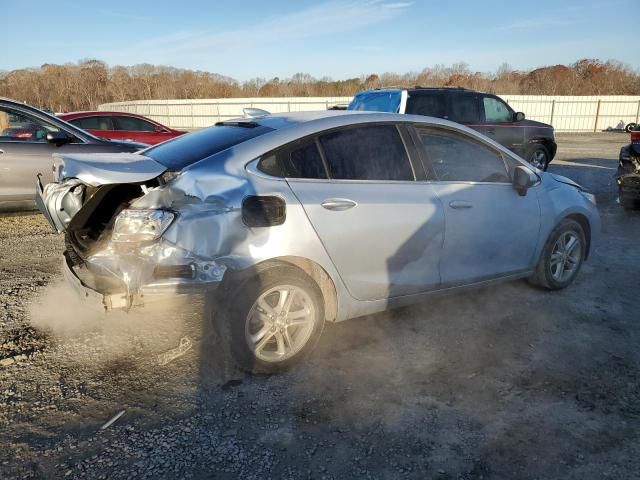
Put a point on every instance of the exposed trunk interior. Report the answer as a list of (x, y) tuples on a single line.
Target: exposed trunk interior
[(91, 227)]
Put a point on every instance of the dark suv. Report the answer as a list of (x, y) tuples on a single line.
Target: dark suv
[(487, 113)]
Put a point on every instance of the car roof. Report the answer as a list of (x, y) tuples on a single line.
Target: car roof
[(91, 113), (290, 127), (420, 89)]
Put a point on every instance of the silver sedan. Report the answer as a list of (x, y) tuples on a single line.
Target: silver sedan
[(292, 220)]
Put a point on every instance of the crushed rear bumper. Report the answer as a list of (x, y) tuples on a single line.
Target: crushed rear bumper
[(112, 293)]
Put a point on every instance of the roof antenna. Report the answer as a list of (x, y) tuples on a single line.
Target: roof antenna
[(255, 112)]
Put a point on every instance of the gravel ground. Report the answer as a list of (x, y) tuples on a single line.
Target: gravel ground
[(503, 382)]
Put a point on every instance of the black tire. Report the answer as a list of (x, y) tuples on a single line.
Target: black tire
[(630, 127), (534, 153), (543, 276), (240, 300)]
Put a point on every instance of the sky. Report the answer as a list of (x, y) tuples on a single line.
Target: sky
[(336, 39)]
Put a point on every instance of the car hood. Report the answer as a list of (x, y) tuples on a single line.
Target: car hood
[(533, 123), (106, 168), (126, 143), (565, 180)]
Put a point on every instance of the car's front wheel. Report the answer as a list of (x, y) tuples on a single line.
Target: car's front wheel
[(274, 318), (561, 257), (538, 156)]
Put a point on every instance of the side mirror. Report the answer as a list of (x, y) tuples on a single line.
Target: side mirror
[(519, 116), (58, 138), (523, 180)]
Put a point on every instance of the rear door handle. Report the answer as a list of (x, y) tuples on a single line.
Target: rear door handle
[(338, 204), (460, 204)]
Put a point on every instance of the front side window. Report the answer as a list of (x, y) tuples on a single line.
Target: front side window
[(22, 127), (464, 108), (366, 153), (496, 110), (93, 123), (133, 124), (457, 158)]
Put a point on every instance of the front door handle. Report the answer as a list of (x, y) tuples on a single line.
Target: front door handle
[(460, 204), (338, 204), (491, 131)]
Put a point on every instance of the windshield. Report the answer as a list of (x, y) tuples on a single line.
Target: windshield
[(182, 151), (383, 101)]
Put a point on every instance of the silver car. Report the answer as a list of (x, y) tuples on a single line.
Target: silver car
[(292, 220)]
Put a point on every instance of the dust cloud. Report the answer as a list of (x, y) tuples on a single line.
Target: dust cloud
[(82, 327)]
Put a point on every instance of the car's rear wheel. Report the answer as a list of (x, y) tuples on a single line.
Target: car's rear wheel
[(538, 156), (274, 319), (561, 257)]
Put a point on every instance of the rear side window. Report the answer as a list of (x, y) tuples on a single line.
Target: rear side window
[(300, 160), (433, 105), (184, 150), (366, 153), (455, 157), (133, 124), (464, 108), (93, 123)]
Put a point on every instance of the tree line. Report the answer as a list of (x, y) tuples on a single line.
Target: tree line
[(88, 83)]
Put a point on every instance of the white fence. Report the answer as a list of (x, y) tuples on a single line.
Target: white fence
[(565, 113)]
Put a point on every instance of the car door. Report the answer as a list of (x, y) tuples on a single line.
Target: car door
[(490, 230), (382, 229), (498, 123)]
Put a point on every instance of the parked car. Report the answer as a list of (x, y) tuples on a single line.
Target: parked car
[(628, 173), (484, 112), (300, 218), (121, 126), (28, 138)]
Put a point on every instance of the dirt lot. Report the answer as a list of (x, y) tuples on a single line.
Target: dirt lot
[(505, 382)]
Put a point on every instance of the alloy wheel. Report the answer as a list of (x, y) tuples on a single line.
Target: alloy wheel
[(280, 323), (538, 159), (565, 256)]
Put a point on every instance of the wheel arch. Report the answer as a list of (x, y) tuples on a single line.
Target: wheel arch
[(308, 267), (546, 142), (583, 221)]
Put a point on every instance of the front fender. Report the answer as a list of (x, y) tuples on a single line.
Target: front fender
[(559, 201)]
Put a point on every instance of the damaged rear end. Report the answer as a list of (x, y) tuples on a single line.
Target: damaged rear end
[(114, 248)]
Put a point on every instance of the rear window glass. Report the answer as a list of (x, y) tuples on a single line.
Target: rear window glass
[(182, 151), (377, 102), (367, 153)]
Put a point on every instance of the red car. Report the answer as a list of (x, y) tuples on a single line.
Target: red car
[(121, 126)]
